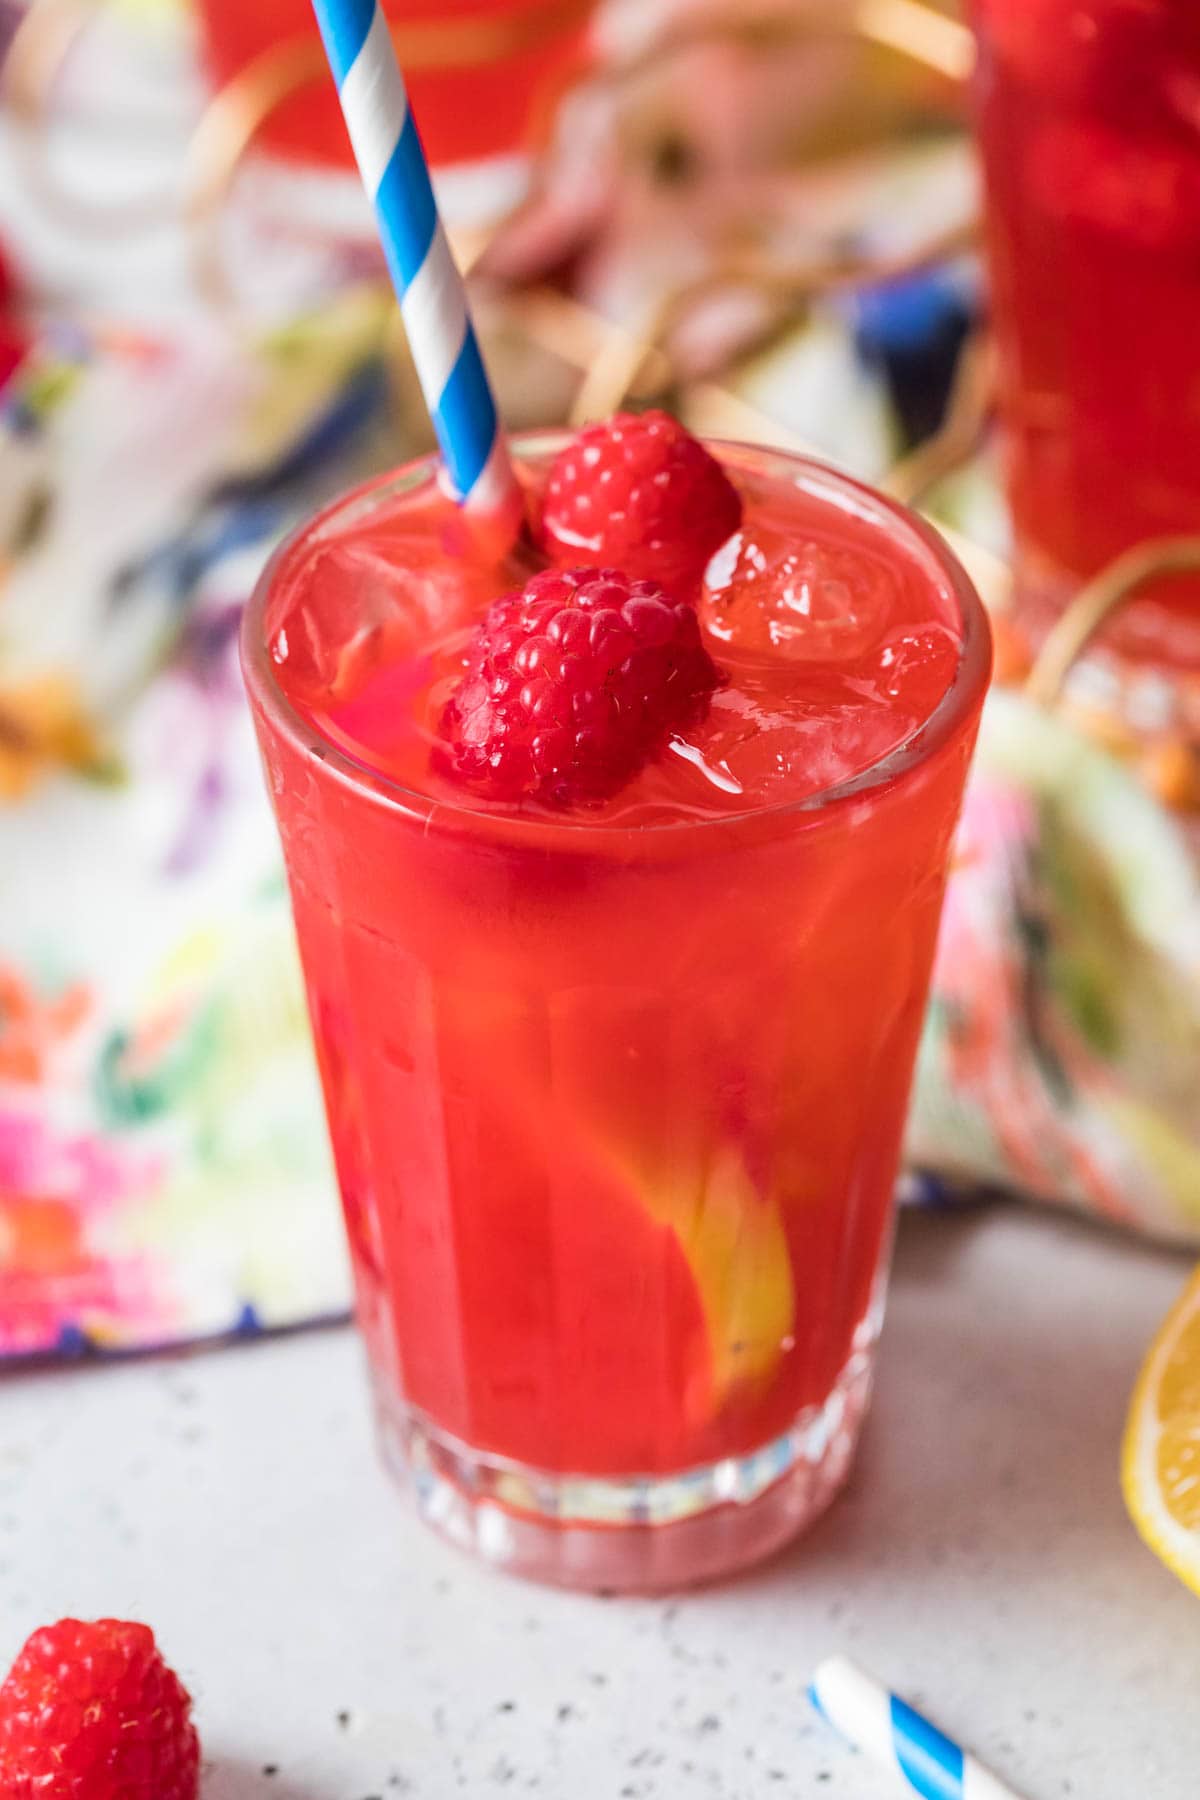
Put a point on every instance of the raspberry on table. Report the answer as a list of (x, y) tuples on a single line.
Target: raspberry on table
[(572, 684), (92, 1712), (640, 493)]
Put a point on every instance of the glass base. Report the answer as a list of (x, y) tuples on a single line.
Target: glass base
[(638, 1534)]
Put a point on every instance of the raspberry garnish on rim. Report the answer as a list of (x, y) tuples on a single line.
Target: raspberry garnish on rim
[(572, 684), (639, 492)]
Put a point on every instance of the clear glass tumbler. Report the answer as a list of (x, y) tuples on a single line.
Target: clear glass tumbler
[(616, 1109), (1089, 122)]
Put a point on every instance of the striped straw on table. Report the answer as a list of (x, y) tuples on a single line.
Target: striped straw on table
[(895, 1737), (430, 288)]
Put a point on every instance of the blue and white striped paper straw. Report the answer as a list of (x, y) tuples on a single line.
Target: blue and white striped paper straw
[(895, 1737), (430, 288)]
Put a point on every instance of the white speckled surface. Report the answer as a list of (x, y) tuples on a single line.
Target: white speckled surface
[(981, 1561)]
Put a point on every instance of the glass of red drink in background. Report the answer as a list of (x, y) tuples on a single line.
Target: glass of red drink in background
[(616, 1094), (482, 75), (1089, 119)]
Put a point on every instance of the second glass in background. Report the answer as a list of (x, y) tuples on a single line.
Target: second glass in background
[(484, 77), (1089, 115)]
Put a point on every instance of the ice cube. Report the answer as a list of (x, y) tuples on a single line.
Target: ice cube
[(767, 755), (358, 606), (769, 592), (917, 665)]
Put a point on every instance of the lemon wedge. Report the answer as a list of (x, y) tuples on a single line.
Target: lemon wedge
[(1160, 1465), (736, 1247)]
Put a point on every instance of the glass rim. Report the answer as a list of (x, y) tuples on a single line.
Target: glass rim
[(964, 692)]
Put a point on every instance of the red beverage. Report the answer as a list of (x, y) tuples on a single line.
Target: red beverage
[(1089, 114), (617, 1093), (482, 74)]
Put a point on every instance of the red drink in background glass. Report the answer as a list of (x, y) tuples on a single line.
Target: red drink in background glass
[(1089, 115), (482, 84), (617, 1095)]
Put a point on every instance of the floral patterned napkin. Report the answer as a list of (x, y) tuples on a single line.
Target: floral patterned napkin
[(164, 1175), (163, 1168), (163, 1165)]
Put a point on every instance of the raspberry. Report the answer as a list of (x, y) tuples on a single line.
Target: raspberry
[(571, 685), (639, 492), (92, 1712)]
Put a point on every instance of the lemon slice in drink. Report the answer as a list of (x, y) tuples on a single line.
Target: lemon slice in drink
[(1161, 1459)]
